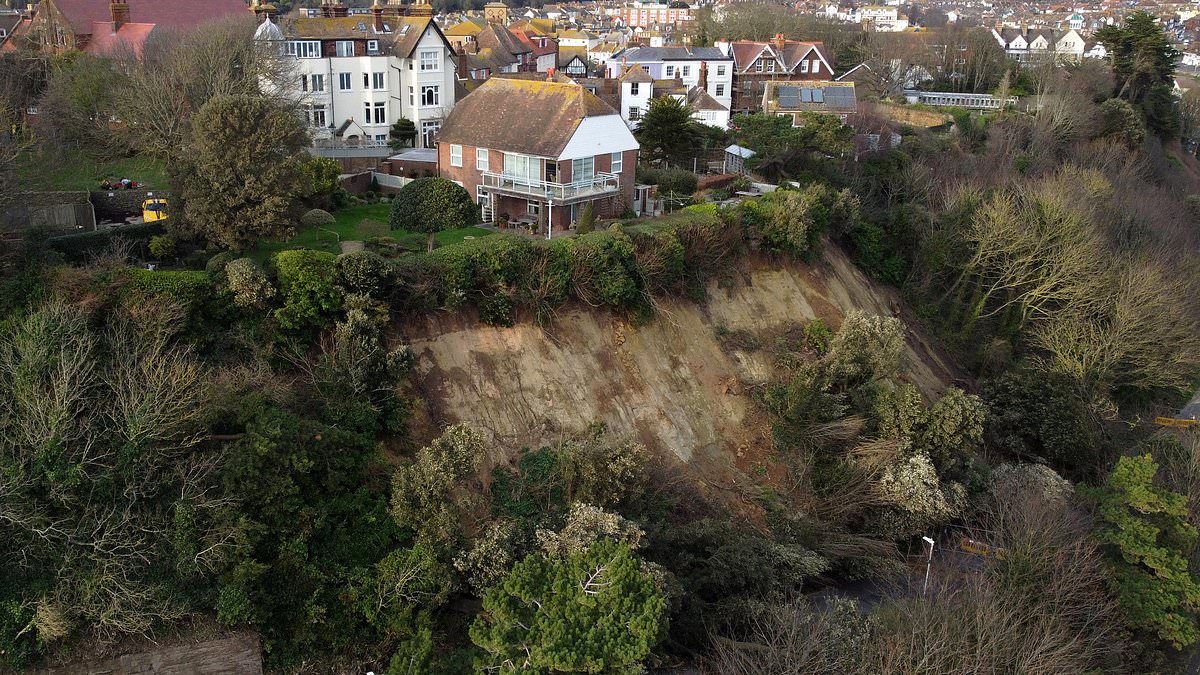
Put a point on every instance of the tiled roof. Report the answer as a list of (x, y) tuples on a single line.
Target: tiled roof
[(636, 73), (523, 116), (130, 36), (172, 14), (699, 99)]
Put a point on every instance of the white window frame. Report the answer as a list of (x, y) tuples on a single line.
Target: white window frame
[(685, 71), (303, 49), (372, 46), (618, 163), (816, 66), (345, 48), (720, 71), (310, 114), (481, 159), (720, 90), (455, 155), (380, 113), (804, 66), (345, 82), (635, 113), (583, 166), (430, 60), (670, 72), (758, 66), (437, 95), (534, 209), (633, 89), (378, 81), (317, 83)]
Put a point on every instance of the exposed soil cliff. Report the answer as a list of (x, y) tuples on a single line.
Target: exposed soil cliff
[(671, 382)]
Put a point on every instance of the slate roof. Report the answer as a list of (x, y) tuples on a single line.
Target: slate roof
[(655, 54), (170, 14), (636, 73), (523, 116), (699, 99)]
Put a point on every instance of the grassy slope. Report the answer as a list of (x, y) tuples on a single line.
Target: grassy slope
[(39, 173)]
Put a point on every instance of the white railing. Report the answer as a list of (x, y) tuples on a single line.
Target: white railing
[(338, 143), (599, 184)]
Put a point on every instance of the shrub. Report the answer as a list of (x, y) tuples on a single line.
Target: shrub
[(817, 336), (603, 269), (488, 271), (365, 273), (215, 267), (587, 220), (306, 282), (431, 205), (162, 247), (317, 218), (1036, 414), (186, 288), (77, 248), (249, 283), (679, 182)]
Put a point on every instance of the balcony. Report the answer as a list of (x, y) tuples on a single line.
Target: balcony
[(560, 193)]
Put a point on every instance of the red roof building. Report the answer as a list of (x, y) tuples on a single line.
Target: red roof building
[(106, 26)]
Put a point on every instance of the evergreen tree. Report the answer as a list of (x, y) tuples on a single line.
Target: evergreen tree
[(591, 612), (402, 134), (1150, 539), (667, 127), (1143, 62), (243, 173)]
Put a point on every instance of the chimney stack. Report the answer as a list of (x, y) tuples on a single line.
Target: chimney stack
[(377, 15), (780, 41), (550, 74), (703, 81), (119, 11), (460, 61)]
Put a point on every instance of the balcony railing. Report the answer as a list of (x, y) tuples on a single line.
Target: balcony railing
[(598, 185)]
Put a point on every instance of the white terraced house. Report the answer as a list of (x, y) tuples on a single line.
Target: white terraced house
[(357, 74)]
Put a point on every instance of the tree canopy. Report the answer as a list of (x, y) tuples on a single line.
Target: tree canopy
[(431, 205)]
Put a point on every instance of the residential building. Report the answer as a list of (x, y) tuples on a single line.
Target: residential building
[(756, 63), (792, 98), (645, 15), (539, 151), (1043, 45), (109, 26), (356, 75), (636, 89), (683, 63), (882, 18)]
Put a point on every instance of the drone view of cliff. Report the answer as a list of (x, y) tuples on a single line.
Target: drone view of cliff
[(430, 337)]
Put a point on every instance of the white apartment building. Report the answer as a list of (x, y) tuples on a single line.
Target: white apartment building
[(356, 75), (1036, 46), (682, 63)]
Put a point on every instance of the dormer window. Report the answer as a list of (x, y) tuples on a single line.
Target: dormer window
[(345, 48), (373, 46)]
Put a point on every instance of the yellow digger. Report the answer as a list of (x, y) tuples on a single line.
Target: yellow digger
[(154, 209)]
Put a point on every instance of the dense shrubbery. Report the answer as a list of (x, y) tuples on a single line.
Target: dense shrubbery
[(79, 248), (431, 205)]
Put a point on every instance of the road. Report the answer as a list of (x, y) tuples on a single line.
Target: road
[(1191, 411)]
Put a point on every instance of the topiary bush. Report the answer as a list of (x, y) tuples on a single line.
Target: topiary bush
[(317, 218), (365, 273), (431, 205)]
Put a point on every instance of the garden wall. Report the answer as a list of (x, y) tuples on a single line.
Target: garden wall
[(119, 204)]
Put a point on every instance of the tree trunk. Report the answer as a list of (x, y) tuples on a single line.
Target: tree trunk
[(429, 243)]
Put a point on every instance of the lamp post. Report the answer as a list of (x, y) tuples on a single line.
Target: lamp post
[(928, 564)]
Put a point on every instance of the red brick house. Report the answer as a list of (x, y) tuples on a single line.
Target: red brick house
[(780, 60), (539, 150), (107, 26)]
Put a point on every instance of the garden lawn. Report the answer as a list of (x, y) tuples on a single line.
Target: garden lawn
[(41, 173), (365, 221)]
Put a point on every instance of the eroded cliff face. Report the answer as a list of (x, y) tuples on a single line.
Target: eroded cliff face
[(670, 383)]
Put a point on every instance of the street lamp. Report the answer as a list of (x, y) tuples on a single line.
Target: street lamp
[(928, 563)]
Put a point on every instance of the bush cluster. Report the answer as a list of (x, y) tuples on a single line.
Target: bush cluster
[(77, 248)]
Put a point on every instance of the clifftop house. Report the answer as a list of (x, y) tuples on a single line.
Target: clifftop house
[(539, 151)]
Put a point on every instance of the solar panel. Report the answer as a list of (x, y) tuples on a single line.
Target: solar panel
[(789, 97), (840, 97)]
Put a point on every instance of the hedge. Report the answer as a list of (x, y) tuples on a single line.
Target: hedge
[(187, 288), (77, 248)]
